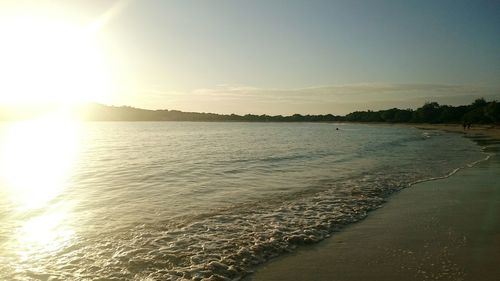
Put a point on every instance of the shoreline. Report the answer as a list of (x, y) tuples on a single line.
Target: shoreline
[(477, 130), (404, 240)]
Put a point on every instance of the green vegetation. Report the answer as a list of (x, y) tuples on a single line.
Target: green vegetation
[(479, 112)]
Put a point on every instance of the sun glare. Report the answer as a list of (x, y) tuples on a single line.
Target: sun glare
[(50, 61), (36, 158)]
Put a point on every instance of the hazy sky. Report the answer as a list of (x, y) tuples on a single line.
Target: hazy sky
[(285, 56)]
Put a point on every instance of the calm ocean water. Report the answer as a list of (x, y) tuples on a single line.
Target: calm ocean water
[(180, 200)]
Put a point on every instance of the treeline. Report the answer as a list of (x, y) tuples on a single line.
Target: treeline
[(98, 112), (480, 111)]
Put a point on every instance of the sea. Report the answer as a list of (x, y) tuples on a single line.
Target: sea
[(196, 200)]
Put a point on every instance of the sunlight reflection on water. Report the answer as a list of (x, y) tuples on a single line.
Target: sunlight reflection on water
[(36, 159), (44, 234)]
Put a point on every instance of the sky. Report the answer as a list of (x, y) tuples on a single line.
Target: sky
[(262, 57)]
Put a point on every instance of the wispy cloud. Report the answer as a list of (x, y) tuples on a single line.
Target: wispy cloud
[(348, 92), (338, 99)]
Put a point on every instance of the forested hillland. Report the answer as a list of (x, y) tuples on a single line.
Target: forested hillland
[(478, 112)]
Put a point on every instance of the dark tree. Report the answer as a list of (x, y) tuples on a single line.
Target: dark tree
[(429, 112)]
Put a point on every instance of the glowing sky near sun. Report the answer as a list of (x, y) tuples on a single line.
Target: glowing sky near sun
[(275, 57)]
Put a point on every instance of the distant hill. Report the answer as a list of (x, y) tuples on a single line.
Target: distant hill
[(98, 112), (480, 111)]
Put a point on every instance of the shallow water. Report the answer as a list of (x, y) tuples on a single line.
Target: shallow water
[(180, 200)]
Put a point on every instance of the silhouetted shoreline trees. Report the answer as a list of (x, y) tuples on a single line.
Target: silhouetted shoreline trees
[(98, 112), (479, 112)]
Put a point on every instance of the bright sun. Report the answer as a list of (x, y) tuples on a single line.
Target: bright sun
[(50, 61)]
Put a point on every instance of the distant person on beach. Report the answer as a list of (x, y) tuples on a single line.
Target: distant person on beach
[(465, 125)]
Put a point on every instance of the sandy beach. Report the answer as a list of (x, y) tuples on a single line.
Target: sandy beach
[(447, 229)]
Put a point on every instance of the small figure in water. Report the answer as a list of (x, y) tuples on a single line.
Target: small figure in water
[(337, 129), (465, 125)]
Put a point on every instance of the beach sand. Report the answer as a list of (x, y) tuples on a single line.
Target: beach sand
[(447, 229)]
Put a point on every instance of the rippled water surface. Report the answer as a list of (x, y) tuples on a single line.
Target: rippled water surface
[(179, 200)]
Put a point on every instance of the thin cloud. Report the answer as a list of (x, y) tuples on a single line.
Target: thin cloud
[(343, 93), (336, 99)]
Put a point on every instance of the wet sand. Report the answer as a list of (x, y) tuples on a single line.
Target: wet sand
[(447, 229)]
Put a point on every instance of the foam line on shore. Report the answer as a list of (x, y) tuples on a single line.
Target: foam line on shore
[(454, 171)]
